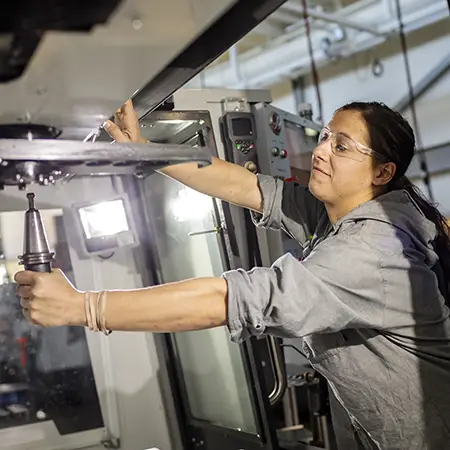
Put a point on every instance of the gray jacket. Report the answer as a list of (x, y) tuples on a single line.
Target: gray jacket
[(367, 304)]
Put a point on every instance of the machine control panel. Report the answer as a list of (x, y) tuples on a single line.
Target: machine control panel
[(238, 132), (282, 141)]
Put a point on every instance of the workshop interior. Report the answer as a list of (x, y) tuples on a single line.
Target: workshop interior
[(250, 81)]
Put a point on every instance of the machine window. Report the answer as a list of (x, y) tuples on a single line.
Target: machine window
[(45, 374)]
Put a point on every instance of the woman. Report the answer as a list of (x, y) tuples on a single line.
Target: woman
[(368, 296)]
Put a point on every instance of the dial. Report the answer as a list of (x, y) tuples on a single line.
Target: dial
[(275, 122)]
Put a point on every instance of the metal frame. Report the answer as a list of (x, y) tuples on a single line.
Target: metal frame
[(71, 152), (438, 159), (425, 84), (46, 160)]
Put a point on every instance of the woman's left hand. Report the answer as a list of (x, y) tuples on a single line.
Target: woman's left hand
[(50, 299)]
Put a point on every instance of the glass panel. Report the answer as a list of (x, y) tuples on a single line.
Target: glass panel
[(45, 374), (188, 247)]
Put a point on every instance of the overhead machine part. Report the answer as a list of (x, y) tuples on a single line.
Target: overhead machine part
[(44, 161), (23, 23), (27, 160)]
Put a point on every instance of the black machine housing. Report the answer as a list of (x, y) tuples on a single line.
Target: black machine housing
[(24, 22)]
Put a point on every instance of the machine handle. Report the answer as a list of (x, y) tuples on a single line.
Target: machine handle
[(229, 228), (279, 369)]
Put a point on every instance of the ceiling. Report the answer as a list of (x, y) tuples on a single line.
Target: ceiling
[(76, 80), (278, 48)]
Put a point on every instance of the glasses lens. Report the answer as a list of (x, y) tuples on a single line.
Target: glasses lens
[(344, 146), (324, 135)]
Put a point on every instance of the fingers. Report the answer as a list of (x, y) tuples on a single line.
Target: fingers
[(129, 121), (25, 303), (115, 132), (30, 315), (25, 292), (128, 112), (25, 277), (125, 127)]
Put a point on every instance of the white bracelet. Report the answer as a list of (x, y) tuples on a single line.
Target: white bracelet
[(94, 308)]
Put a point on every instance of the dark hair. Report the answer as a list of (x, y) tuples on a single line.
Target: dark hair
[(392, 136)]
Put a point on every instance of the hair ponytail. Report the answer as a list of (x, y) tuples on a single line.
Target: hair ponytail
[(442, 241)]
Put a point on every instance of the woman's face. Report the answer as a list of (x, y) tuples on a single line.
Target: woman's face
[(342, 173)]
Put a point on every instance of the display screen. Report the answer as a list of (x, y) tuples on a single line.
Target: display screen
[(241, 127)]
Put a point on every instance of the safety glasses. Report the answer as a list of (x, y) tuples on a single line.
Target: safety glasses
[(344, 145)]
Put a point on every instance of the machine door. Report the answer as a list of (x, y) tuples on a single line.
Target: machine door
[(223, 389)]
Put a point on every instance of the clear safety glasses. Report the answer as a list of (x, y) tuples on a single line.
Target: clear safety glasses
[(343, 145)]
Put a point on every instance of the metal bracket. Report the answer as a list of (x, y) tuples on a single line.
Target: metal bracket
[(47, 160)]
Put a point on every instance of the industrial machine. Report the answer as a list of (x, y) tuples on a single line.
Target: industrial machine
[(243, 127), (268, 397), (112, 222)]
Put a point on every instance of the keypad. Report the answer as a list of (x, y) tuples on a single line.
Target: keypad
[(244, 145)]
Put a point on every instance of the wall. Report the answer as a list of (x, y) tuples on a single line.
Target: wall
[(352, 79)]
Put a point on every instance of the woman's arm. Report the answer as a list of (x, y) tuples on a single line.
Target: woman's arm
[(189, 305), (51, 300), (221, 179)]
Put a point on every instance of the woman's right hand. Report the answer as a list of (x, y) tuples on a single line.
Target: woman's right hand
[(125, 127)]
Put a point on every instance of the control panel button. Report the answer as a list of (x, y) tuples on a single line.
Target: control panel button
[(251, 166), (275, 151), (283, 153), (244, 146)]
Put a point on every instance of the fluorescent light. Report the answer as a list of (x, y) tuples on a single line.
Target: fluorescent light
[(104, 219)]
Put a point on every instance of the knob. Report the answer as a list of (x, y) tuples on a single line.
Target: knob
[(275, 151), (251, 166), (283, 153), (275, 123)]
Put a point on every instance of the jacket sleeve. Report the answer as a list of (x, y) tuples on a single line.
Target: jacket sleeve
[(288, 206), (338, 286)]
